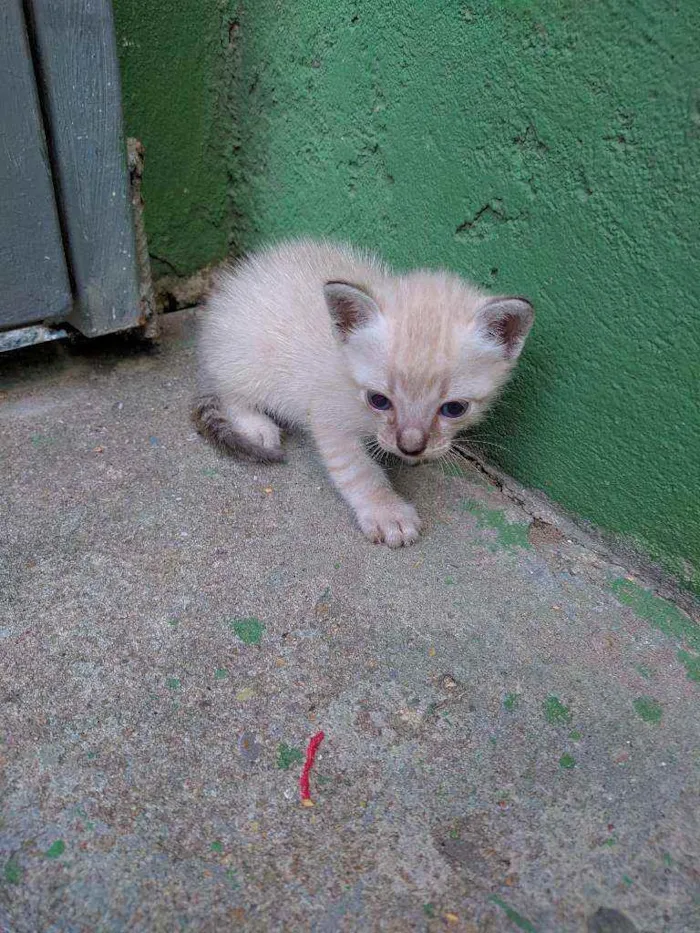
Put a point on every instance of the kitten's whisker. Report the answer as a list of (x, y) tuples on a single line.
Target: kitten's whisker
[(444, 461), (373, 448), (475, 444), (376, 451), (454, 459), (478, 436)]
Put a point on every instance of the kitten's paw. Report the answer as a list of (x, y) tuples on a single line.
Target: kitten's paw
[(395, 524)]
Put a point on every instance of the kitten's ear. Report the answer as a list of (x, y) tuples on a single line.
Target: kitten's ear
[(506, 322), (349, 307)]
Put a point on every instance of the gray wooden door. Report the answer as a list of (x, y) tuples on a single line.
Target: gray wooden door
[(34, 282), (67, 251)]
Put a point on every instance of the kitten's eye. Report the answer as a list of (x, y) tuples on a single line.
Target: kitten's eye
[(454, 409), (378, 401)]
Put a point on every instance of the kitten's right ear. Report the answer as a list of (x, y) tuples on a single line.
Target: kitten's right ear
[(505, 323), (349, 307)]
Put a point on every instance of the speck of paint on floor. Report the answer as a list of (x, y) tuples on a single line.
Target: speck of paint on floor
[(567, 762), (287, 755), (522, 923), (40, 440), (509, 535), (13, 871), (660, 613), (220, 673), (217, 846), (648, 709), (555, 712), (429, 910), (56, 850), (172, 683), (511, 701), (691, 664), (575, 735), (250, 631)]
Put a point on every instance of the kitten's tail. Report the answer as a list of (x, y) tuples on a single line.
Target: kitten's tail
[(212, 423)]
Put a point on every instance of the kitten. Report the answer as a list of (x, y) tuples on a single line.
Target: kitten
[(328, 338)]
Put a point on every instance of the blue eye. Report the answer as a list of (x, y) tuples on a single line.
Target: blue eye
[(453, 409), (378, 401)]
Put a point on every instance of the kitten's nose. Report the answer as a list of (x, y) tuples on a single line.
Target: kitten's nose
[(412, 441)]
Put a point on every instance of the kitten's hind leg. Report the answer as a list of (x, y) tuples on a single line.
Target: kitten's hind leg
[(239, 428)]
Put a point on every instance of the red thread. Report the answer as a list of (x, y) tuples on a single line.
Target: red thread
[(314, 743)]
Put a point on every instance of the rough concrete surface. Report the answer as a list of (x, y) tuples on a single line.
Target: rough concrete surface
[(512, 735)]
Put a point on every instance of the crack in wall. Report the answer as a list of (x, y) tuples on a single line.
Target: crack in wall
[(489, 215)]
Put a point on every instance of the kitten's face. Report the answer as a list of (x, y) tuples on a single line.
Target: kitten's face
[(427, 358), (418, 416), (415, 422)]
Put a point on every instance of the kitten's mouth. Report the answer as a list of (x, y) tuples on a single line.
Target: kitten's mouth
[(378, 448), (407, 459), (411, 459), (428, 456)]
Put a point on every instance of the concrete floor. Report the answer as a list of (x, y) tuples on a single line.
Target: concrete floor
[(512, 731)]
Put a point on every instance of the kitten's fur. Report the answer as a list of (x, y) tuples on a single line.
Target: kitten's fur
[(304, 331)]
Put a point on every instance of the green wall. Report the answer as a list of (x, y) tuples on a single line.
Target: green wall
[(550, 149), (174, 58)]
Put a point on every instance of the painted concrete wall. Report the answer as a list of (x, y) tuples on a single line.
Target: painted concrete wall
[(545, 148), (174, 58)]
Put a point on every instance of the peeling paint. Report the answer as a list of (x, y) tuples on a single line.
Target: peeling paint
[(288, 755), (555, 712), (648, 709), (12, 871), (522, 923), (509, 535), (56, 850), (660, 613), (250, 631), (691, 663)]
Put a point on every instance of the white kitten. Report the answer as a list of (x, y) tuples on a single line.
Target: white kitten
[(327, 338)]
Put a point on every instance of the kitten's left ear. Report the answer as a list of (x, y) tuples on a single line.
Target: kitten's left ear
[(349, 307), (506, 322)]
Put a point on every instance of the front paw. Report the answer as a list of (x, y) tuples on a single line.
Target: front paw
[(394, 523)]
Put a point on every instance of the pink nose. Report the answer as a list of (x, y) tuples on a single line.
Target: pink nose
[(411, 441)]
